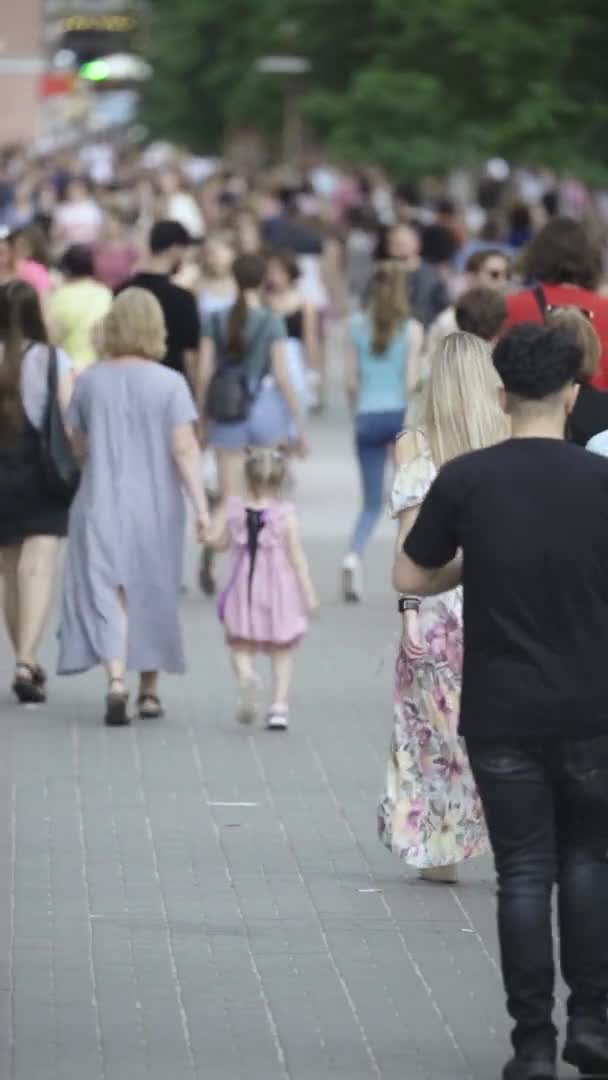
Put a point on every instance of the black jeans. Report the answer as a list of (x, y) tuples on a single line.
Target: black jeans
[(546, 806)]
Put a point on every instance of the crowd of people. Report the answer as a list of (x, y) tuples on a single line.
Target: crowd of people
[(163, 341)]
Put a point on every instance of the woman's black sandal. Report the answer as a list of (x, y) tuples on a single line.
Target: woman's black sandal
[(39, 675), (116, 706), (149, 707), (29, 689)]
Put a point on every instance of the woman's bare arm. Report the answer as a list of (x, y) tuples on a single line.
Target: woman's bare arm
[(312, 337), (407, 519), (187, 458), (278, 356), (351, 375), (79, 444), (407, 447), (414, 580), (218, 536), (412, 366), (202, 378), (65, 389)]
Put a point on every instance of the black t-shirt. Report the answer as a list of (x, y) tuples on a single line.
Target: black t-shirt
[(180, 311), (531, 518)]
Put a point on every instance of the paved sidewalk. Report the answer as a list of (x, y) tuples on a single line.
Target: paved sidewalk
[(186, 899)]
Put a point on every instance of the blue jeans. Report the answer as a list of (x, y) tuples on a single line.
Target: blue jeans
[(375, 432), (546, 807)]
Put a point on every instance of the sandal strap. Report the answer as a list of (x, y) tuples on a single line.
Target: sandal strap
[(148, 697), (31, 668)]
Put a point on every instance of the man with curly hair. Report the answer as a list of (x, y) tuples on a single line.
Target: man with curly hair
[(524, 526)]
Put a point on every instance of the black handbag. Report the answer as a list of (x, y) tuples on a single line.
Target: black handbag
[(230, 395), (60, 468)]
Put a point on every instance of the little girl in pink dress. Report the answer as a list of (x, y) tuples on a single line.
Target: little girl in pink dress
[(269, 591)]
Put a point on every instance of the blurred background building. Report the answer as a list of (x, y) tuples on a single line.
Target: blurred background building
[(69, 68)]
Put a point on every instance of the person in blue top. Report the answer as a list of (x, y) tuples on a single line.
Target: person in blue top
[(381, 375)]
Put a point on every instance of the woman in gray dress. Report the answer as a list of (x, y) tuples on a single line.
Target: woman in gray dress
[(132, 424)]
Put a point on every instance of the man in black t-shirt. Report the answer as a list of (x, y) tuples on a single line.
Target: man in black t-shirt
[(524, 526), (168, 242)]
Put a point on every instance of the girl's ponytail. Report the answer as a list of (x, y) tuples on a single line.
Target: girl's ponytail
[(249, 272)]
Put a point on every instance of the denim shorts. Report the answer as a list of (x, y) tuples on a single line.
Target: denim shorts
[(266, 425)]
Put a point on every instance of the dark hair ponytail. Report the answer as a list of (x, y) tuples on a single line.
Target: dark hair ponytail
[(20, 319), (249, 272)]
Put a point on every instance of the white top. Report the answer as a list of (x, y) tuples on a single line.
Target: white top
[(599, 443), (34, 374), (79, 222), (208, 304), (444, 325), (182, 207)]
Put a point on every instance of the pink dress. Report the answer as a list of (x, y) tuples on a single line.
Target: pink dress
[(268, 607)]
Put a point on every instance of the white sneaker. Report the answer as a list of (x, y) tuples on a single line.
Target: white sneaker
[(247, 705), (278, 718), (352, 579)]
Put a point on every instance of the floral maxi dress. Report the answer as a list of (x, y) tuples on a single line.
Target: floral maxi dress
[(431, 813)]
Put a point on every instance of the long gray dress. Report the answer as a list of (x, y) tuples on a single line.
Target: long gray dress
[(126, 527)]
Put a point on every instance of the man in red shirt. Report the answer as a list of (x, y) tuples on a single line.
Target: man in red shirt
[(568, 266)]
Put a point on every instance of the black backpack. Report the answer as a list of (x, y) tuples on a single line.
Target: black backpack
[(230, 394)]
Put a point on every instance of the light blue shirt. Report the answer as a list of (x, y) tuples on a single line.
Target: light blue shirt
[(382, 377), (599, 443)]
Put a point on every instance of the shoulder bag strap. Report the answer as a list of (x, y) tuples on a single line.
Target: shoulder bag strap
[(541, 300), (215, 333), (52, 378), (51, 386)]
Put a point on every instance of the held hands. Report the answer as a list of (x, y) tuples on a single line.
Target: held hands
[(202, 523)]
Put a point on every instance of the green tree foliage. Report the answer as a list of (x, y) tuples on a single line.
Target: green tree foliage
[(205, 82), (414, 86)]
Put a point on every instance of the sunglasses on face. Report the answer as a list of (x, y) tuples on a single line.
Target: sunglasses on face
[(554, 309)]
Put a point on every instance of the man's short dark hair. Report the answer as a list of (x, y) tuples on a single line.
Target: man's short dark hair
[(481, 312), (535, 361), (167, 234), (438, 244), (77, 261)]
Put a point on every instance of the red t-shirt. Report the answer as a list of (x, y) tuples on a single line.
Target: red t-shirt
[(523, 307)]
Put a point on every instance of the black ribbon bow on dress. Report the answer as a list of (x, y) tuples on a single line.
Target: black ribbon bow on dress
[(256, 520)]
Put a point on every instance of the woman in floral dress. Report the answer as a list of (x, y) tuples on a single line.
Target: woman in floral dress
[(431, 814)]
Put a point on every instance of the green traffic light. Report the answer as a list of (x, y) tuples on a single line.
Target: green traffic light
[(95, 71)]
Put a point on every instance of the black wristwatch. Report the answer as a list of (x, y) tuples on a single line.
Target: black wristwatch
[(408, 603)]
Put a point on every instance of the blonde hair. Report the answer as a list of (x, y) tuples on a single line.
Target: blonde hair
[(265, 469), (134, 326), (572, 319), (389, 304), (462, 408)]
